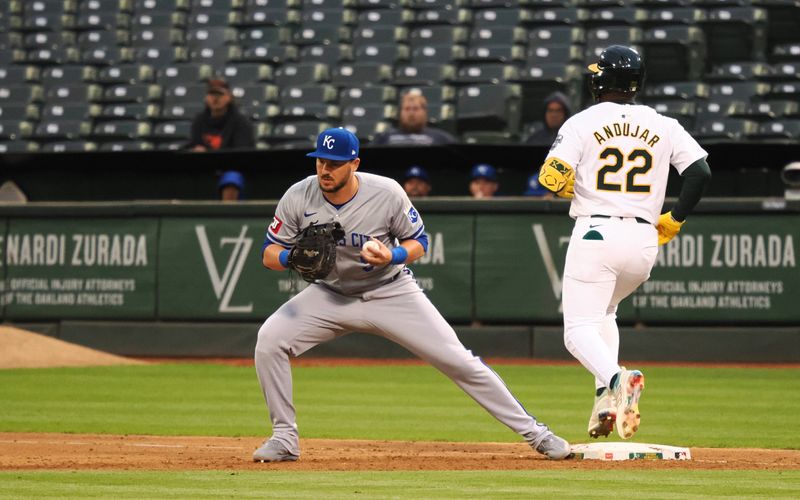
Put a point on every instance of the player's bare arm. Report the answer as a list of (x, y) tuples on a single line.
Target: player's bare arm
[(271, 257)]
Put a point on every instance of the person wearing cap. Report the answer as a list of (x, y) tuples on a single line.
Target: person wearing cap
[(416, 182), (412, 126), (231, 186), (369, 290), (534, 189), (220, 125), (484, 181)]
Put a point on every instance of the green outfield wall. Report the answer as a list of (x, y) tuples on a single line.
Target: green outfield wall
[(493, 262)]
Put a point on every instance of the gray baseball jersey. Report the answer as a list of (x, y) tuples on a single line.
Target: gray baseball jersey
[(380, 209), (383, 301)]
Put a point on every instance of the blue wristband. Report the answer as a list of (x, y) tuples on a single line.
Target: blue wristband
[(283, 258), (399, 255)]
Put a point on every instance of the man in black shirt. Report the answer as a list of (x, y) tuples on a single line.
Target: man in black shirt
[(220, 125)]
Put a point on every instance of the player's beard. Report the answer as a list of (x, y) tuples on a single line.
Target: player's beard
[(336, 187)]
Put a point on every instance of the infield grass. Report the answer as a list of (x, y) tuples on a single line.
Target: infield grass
[(713, 407), (640, 484)]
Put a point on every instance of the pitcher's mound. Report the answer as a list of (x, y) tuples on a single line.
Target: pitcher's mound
[(24, 349)]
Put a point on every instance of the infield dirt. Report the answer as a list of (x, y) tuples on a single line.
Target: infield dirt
[(35, 451)]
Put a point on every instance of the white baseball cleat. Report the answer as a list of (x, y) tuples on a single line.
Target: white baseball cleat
[(604, 414), (273, 451), (626, 398)]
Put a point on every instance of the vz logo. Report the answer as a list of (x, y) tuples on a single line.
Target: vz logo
[(413, 216), (225, 285), (328, 141)]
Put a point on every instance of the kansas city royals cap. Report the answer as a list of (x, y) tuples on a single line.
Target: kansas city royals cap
[(336, 144), (417, 171), (534, 188), (484, 170), (231, 178)]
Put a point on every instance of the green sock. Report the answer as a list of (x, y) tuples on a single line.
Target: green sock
[(614, 381)]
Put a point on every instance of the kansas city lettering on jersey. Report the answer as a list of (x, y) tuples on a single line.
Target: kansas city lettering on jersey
[(625, 130)]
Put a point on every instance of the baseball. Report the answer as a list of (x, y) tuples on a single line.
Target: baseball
[(372, 246)]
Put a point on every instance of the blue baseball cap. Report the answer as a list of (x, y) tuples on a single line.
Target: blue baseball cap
[(231, 178), (484, 170), (417, 171), (534, 188), (336, 144)]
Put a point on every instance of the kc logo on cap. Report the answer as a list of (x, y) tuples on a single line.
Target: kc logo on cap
[(336, 144)]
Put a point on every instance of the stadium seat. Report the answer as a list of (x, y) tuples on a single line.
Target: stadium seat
[(736, 34), (738, 91), (302, 74), (119, 130), (69, 146), (48, 39), (19, 112), (674, 52), (244, 73), (676, 15), (497, 35), (12, 130), (508, 16), (491, 73), (786, 71), (74, 93), (489, 107), (677, 90), (181, 111), (372, 94), (489, 137), (126, 74), (616, 15), (18, 147), (785, 90), (138, 111), (299, 132), (554, 54), (21, 94), (366, 130), (786, 52), (447, 15), (303, 94), (438, 54), (264, 36), (99, 39), (375, 18), (210, 37), (138, 92), (424, 74), (65, 75), (785, 130), (123, 146), (210, 19), (61, 130), (382, 53), (269, 54), (369, 113), (438, 35), (326, 54), (157, 6), (321, 35), (103, 21), (71, 112), (152, 20), (255, 96), (321, 17), (559, 15), (555, 36), (375, 73), (683, 111), (728, 129), (173, 131), (383, 35), (157, 37), (514, 54), (17, 75), (183, 73), (161, 57), (771, 110)]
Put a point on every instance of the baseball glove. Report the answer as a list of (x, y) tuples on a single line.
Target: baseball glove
[(314, 254)]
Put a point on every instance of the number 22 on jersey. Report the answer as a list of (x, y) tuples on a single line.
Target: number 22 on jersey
[(638, 161)]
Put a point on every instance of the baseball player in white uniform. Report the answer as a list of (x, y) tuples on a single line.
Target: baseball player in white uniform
[(613, 160), (369, 290)]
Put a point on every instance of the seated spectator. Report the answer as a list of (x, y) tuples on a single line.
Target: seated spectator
[(220, 125), (484, 181), (556, 112), (231, 186), (535, 189), (416, 182), (412, 126)]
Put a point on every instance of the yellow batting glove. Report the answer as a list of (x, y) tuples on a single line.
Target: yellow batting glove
[(557, 177), (667, 228)]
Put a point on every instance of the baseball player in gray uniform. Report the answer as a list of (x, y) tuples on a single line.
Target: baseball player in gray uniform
[(369, 290), (613, 160)]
